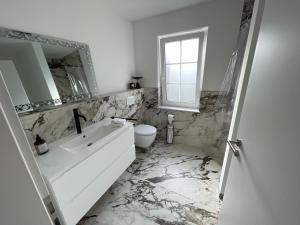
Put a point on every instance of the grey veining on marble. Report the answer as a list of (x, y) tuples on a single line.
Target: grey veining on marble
[(169, 185), (57, 123), (207, 130)]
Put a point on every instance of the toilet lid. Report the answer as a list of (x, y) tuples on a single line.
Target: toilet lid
[(144, 129)]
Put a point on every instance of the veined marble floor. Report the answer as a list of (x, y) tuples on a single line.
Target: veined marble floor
[(168, 185)]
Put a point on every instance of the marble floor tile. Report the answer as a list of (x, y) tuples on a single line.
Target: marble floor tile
[(167, 185)]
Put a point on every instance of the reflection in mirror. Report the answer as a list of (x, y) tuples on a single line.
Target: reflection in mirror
[(67, 71), (42, 72)]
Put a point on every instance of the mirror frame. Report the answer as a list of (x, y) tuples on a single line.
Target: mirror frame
[(50, 40)]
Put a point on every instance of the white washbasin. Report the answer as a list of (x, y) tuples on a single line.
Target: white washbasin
[(67, 152), (88, 140)]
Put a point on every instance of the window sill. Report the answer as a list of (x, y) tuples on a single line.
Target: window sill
[(179, 109)]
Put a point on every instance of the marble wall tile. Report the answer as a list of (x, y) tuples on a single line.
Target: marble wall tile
[(207, 130), (57, 123)]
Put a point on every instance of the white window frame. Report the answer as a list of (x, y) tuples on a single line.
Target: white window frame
[(161, 40)]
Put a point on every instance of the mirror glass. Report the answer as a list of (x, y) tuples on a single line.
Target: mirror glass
[(43, 72)]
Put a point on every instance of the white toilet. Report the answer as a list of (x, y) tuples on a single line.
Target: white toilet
[(144, 135)]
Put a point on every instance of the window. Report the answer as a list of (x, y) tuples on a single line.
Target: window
[(181, 61)]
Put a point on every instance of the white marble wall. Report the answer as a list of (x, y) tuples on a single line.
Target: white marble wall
[(207, 130), (57, 123)]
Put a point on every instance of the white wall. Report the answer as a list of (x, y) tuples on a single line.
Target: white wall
[(35, 77), (45, 71), (110, 38), (29, 69), (222, 18), (13, 82)]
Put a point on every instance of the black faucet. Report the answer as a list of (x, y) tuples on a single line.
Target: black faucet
[(77, 120)]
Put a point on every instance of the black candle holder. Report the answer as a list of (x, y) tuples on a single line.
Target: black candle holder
[(137, 84)]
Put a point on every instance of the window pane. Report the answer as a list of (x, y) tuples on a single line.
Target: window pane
[(190, 50), (189, 73), (173, 73), (173, 92), (172, 52), (188, 93)]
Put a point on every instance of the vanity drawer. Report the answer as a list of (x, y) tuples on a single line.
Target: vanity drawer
[(79, 206), (67, 187)]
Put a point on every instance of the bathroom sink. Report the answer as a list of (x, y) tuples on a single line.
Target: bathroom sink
[(88, 140)]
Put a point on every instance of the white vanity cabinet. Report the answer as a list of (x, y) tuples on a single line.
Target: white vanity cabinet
[(87, 175)]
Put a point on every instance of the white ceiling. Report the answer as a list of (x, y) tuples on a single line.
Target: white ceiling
[(138, 9)]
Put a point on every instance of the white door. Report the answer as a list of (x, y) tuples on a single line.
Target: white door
[(264, 182), (20, 200)]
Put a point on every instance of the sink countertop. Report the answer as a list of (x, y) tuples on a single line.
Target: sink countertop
[(58, 161)]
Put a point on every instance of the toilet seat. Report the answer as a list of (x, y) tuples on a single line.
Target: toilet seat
[(144, 130)]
